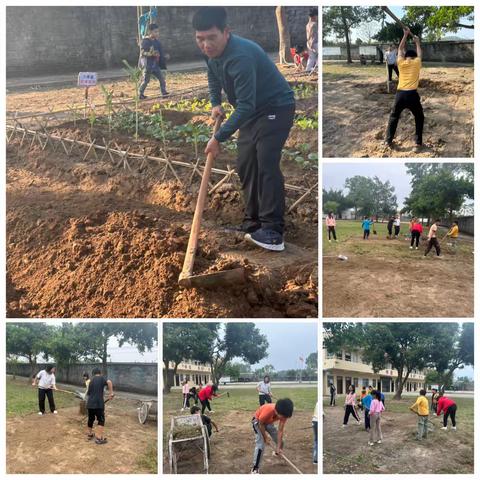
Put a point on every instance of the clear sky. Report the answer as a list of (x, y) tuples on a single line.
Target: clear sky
[(288, 342), (464, 33), (335, 174)]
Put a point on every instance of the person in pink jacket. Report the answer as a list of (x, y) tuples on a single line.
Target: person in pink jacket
[(350, 403), (376, 409), (331, 224)]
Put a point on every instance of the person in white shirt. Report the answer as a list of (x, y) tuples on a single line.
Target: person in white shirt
[(45, 379), (396, 224), (391, 59), (264, 391)]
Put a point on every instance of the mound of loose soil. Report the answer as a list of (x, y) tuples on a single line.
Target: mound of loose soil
[(85, 240)]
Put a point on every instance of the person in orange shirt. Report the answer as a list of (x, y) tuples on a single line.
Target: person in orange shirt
[(409, 64), (263, 422)]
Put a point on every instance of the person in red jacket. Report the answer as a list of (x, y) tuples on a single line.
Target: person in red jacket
[(205, 395), (416, 230), (448, 407)]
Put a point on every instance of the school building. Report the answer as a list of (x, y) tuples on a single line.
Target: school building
[(347, 368), (192, 371)]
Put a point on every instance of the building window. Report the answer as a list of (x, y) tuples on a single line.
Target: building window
[(330, 355), (348, 357), (339, 355), (365, 382), (355, 382)]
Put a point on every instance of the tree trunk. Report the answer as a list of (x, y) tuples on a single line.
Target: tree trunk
[(401, 383), (104, 358), (284, 56), (346, 32)]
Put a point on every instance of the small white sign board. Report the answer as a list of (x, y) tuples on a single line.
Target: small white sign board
[(367, 50), (331, 51), (87, 79)]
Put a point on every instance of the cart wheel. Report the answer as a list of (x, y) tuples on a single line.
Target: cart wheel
[(143, 413)]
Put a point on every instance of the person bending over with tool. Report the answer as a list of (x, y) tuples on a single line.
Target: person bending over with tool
[(264, 111), (263, 423), (207, 421), (96, 405), (409, 64), (45, 379)]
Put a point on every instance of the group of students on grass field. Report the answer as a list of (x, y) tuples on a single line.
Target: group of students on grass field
[(415, 229), (263, 420), (372, 403), (93, 396)]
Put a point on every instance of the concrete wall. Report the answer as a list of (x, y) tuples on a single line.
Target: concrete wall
[(53, 40), (130, 377), (455, 51), (466, 225)]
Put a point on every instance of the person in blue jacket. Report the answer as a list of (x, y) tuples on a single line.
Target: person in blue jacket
[(264, 109), (366, 226)]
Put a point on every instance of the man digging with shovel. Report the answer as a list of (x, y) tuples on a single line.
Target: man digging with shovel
[(264, 111)]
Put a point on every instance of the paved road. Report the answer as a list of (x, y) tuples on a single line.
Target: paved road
[(48, 81)]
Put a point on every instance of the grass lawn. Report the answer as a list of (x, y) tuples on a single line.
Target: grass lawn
[(22, 398), (304, 399), (351, 231)]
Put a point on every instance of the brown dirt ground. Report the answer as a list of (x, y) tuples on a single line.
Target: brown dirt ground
[(57, 443), (346, 451), (386, 286), (355, 116), (88, 240), (232, 448)]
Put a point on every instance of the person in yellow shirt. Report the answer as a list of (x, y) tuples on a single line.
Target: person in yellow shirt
[(409, 64), (453, 234), (420, 407)]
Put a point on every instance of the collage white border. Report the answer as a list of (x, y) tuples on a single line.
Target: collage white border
[(319, 4)]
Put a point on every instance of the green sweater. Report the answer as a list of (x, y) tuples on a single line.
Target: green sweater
[(250, 80)]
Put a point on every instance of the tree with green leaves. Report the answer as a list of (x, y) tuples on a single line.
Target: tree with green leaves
[(141, 335), (404, 347), (312, 361), (236, 340), (335, 201), (339, 21), (371, 196), (185, 341), (438, 191), (437, 21), (28, 341), (393, 33)]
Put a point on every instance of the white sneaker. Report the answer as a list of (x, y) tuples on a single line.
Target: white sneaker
[(444, 428), (40, 413), (212, 411), (411, 248), (416, 248), (454, 428), (54, 412), (329, 241), (379, 441), (343, 426), (254, 472), (371, 444)]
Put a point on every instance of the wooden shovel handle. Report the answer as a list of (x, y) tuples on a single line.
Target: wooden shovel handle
[(187, 269), (389, 12)]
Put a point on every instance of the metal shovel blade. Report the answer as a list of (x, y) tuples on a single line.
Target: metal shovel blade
[(232, 277)]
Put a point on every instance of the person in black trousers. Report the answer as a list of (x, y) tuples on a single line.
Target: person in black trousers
[(264, 110), (333, 393), (407, 97)]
